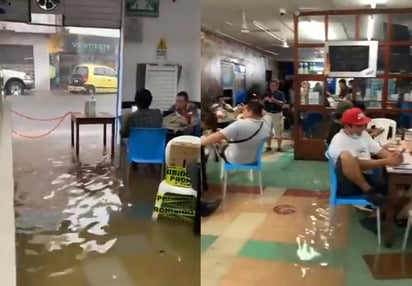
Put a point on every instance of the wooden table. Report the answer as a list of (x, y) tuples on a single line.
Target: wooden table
[(79, 118), (396, 178)]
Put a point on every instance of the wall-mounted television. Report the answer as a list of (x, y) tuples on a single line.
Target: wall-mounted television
[(351, 58)]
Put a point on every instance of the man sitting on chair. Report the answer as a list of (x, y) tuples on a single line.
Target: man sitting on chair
[(243, 136), (351, 150), (144, 116)]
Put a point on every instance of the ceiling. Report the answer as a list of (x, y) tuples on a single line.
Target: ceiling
[(224, 17)]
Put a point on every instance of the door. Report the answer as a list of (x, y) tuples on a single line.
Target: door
[(111, 79), (99, 79)]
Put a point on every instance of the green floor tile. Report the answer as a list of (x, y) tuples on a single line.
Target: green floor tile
[(206, 241), (284, 173), (267, 250)]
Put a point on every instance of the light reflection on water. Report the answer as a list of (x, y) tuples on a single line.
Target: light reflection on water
[(319, 234), (72, 228), (91, 195)]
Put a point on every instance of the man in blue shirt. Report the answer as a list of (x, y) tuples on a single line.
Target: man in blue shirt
[(274, 102)]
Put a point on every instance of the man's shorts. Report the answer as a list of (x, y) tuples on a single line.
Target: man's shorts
[(347, 188)]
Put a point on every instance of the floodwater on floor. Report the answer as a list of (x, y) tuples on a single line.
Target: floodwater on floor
[(73, 226)]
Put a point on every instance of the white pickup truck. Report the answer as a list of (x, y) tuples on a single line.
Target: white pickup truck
[(15, 82)]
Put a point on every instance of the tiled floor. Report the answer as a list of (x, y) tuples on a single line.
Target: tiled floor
[(284, 238)]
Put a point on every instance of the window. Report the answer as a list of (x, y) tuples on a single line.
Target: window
[(16, 55), (81, 70), (99, 71), (110, 72)]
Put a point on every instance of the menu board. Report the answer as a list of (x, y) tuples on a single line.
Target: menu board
[(162, 81), (348, 58)]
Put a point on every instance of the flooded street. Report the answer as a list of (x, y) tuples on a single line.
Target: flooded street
[(73, 226)]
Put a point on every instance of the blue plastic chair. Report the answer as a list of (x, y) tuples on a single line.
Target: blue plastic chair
[(226, 167), (147, 145), (352, 200)]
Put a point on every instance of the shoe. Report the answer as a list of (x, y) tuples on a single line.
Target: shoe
[(280, 149), (375, 198), (268, 149), (364, 209), (208, 208)]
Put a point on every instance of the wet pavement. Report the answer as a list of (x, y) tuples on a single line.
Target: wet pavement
[(74, 226)]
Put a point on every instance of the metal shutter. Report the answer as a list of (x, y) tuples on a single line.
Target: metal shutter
[(93, 13), (15, 10)]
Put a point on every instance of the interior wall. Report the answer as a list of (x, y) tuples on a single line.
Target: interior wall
[(183, 45), (7, 225), (215, 49)]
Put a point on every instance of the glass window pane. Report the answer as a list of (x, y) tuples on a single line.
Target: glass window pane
[(314, 125), (373, 27), (401, 27), (371, 90), (400, 90), (311, 93), (400, 59), (311, 60), (341, 27), (367, 90), (311, 29)]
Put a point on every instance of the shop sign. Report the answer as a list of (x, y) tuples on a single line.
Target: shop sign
[(90, 45), (142, 8)]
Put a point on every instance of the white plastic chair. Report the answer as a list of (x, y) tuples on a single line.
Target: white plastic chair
[(386, 124), (164, 187), (408, 229)]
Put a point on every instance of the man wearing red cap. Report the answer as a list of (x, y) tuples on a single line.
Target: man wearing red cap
[(352, 149)]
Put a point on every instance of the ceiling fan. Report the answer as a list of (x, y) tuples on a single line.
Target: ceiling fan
[(244, 28), (273, 35)]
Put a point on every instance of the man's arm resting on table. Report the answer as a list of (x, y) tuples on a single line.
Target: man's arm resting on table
[(213, 138), (383, 156)]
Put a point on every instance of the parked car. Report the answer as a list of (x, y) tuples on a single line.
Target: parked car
[(15, 82), (91, 79)]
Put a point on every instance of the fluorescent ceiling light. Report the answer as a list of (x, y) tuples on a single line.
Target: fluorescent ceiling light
[(232, 38), (229, 23), (267, 51), (369, 31), (266, 30), (373, 3)]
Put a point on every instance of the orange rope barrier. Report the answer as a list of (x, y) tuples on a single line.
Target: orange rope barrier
[(61, 119), (41, 119)]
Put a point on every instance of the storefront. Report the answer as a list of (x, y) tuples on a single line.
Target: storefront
[(78, 49)]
